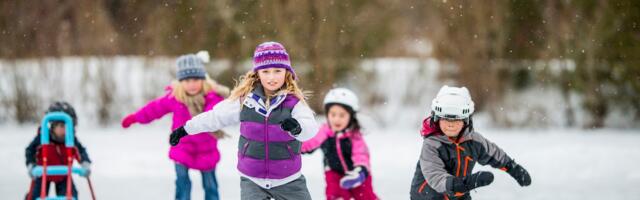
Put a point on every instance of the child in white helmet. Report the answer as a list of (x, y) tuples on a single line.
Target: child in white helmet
[(451, 149), (346, 156)]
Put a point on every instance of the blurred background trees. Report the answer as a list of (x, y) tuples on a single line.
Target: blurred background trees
[(590, 48)]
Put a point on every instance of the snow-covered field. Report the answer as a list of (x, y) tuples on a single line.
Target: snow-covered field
[(565, 164)]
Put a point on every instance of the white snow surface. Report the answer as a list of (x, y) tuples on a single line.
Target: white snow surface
[(133, 163)]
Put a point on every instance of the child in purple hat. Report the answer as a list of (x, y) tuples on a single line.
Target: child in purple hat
[(274, 119)]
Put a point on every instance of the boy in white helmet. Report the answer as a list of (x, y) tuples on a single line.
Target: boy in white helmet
[(346, 156), (451, 149)]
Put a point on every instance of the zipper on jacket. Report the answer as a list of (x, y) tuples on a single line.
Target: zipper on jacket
[(466, 164), (458, 148), (266, 146), (341, 158)]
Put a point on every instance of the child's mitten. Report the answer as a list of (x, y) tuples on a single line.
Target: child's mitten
[(519, 173), (87, 168), (128, 120), (30, 169), (465, 184), (353, 178), (292, 126), (176, 135)]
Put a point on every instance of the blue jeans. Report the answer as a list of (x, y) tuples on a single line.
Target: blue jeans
[(183, 184)]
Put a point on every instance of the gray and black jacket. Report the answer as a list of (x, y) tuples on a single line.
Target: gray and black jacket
[(442, 159)]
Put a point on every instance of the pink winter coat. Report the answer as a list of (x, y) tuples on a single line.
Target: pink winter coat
[(359, 149), (198, 151)]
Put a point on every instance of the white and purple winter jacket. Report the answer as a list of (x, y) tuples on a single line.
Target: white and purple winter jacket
[(267, 155)]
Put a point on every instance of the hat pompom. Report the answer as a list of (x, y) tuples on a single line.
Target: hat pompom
[(204, 56)]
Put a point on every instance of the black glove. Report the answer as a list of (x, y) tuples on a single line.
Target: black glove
[(175, 136), (292, 126), (519, 173), (468, 183)]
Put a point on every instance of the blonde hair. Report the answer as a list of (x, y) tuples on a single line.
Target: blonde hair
[(248, 81), (208, 85)]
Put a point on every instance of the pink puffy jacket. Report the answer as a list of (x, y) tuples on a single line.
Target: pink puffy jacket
[(198, 151)]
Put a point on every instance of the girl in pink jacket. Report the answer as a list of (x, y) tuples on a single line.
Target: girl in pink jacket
[(192, 94), (346, 156)]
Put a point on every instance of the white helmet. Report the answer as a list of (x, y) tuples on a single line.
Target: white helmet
[(342, 96), (452, 103)]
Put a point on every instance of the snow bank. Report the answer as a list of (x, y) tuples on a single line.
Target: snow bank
[(395, 92)]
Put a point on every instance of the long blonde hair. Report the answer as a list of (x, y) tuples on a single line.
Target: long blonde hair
[(208, 85), (248, 81)]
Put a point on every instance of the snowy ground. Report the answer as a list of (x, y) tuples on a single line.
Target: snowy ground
[(565, 164)]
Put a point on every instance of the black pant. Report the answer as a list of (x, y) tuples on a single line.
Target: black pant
[(61, 188)]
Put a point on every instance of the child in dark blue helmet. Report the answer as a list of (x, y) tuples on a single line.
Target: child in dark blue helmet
[(56, 153)]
